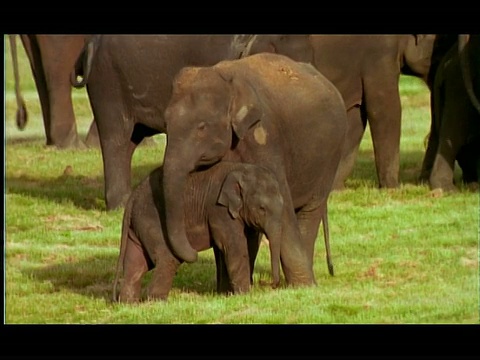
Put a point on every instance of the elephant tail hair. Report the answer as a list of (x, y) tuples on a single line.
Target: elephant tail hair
[(83, 66), (326, 235), (127, 215), (21, 115)]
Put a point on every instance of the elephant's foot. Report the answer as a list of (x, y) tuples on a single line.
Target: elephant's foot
[(241, 288), (157, 297), (155, 293), (445, 187), (388, 183), (128, 295), (299, 279)]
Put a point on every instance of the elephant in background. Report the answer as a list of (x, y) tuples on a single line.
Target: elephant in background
[(52, 59), (455, 128), (366, 70), (227, 205), (263, 109), (128, 80)]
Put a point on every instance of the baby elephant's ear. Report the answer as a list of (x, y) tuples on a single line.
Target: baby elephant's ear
[(230, 193)]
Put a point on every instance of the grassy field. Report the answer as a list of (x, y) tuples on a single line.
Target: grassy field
[(401, 256)]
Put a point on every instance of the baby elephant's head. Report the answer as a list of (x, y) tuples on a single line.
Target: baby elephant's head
[(252, 194)]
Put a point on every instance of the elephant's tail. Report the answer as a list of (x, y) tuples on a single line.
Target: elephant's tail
[(83, 65), (326, 235), (22, 115), (127, 214), (463, 52)]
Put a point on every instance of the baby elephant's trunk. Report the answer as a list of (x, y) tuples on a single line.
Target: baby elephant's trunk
[(274, 239)]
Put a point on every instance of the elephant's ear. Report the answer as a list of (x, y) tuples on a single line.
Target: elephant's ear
[(230, 193), (244, 109)]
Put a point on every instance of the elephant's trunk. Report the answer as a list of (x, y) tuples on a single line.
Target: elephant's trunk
[(274, 235), (466, 69), (174, 182), (22, 115)]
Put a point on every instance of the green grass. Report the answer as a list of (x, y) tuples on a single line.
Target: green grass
[(401, 256)]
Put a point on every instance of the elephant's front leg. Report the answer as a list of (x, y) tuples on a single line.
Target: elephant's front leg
[(117, 151), (432, 146), (355, 131), (453, 133), (223, 280), (383, 107), (166, 266), (229, 237)]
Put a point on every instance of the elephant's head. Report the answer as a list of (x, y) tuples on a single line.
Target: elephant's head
[(253, 194), (296, 47), (208, 112)]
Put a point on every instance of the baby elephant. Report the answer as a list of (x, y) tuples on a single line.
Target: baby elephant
[(227, 205)]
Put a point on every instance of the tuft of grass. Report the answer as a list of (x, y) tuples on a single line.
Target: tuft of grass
[(401, 256)]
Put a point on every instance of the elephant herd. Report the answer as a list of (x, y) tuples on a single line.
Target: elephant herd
[(260, 129)]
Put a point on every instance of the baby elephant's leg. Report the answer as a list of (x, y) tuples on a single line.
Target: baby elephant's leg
[(223, 280), (166, 266), (134, 267), (232, 243)]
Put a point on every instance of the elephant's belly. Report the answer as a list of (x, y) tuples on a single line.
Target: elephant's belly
[(199, 237)]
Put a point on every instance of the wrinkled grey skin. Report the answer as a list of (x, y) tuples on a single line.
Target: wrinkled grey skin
[(455, 130), (264, 109), (228, 204), (128, 80), (366, 71), (52, 59)]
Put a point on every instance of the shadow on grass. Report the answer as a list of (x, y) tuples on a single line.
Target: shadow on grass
[(85, 192), (88, 192), (365, 174), (94, 276)]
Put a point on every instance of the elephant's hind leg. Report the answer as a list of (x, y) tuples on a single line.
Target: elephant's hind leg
[(135, 266)]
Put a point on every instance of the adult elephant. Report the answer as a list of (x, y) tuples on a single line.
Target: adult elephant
[(455, 129), (52, 59), (264, 109), (128, 80), (366, 70)]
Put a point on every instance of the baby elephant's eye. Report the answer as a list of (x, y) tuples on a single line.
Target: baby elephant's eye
[(202, 126)]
